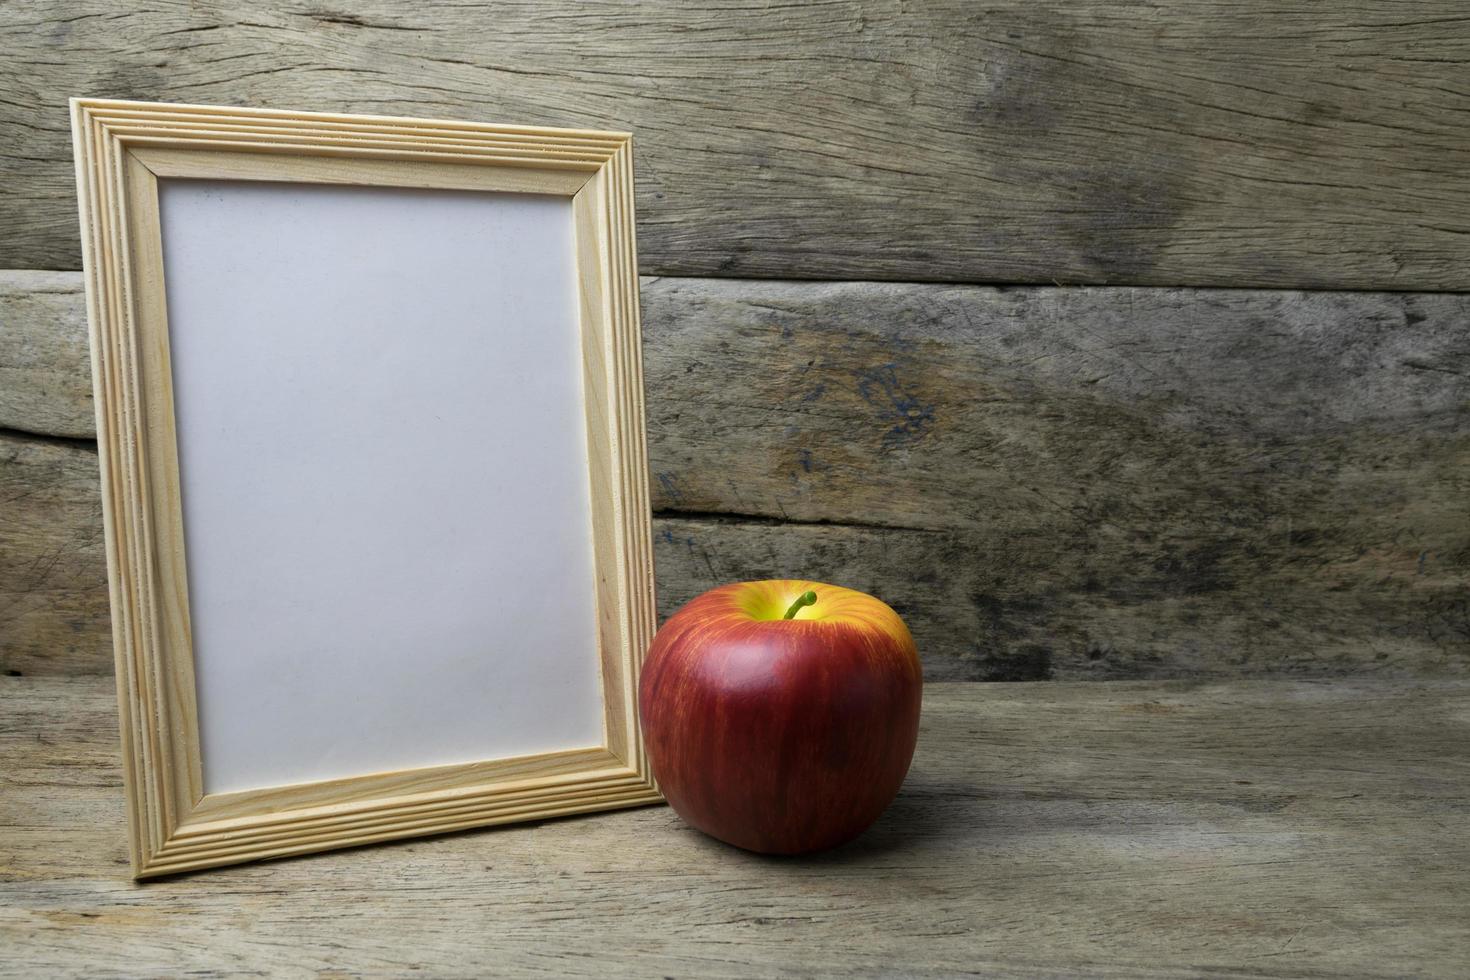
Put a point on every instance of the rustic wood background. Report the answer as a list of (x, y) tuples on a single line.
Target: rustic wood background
[(931, 303)]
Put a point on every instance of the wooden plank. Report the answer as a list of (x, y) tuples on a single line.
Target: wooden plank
[(990, 607), (44, 385), (1115, 830), (53, 569), (977, 611), (1020, 140), (1087, 482), (1046, 482), (947, 407)]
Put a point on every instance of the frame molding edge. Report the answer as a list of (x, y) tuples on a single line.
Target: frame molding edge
[(167, 833)]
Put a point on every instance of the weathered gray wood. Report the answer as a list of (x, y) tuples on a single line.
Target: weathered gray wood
[(43, 343), (1215, 142), (1058, 830), (981, 612), (1085, 482), (1046, 482), (936, 406), (53, 569)]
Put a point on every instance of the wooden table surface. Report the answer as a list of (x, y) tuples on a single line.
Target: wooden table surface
[(1109, 829)]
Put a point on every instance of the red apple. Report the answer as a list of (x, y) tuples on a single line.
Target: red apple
[(781, 716)]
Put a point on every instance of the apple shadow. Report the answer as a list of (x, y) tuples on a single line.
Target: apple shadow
[(918, 816), (921, 814)]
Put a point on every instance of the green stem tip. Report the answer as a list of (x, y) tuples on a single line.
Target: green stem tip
[(805, 599)]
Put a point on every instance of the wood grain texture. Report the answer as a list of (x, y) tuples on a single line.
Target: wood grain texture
[(1203, 143), (1238, 829), (43, 338), (1045, 482), (53, 570), (1079, 482)]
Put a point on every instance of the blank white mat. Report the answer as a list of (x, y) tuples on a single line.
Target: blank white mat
[(384, 477)]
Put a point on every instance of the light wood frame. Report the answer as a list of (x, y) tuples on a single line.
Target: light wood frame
[(122, 149)]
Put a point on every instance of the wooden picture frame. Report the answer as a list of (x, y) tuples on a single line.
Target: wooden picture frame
[(124, 150)]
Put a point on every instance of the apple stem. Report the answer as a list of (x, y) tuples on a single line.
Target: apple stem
[(805, 599)]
